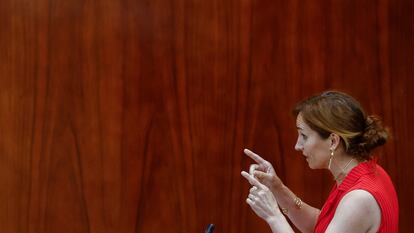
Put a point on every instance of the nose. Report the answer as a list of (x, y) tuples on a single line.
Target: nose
[(298, 145)]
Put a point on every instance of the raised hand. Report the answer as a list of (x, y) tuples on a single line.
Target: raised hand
[(261, 199), (263, 171)]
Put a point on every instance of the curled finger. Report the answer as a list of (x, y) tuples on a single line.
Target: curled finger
[(253, 168), (250, 202), (252, 197), (253, 189)]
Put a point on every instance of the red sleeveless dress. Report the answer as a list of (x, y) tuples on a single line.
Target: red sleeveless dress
[(372, 178)]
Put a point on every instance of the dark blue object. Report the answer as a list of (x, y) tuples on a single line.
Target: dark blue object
[(210, 228)]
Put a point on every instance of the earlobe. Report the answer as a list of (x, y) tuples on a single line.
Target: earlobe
[(334, 141)]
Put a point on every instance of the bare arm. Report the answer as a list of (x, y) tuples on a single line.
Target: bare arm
[(358, 211), (304, 216)]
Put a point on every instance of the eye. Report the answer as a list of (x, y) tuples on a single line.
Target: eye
[(303, 136)]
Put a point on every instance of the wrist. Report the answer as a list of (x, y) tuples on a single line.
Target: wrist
[(297, 204), (276, 218), (278, 223), (277, 184)]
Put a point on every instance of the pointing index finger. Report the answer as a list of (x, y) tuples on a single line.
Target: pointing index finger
[(254, 156), (253, 181)]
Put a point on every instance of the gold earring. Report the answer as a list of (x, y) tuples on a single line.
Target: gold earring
[(330, 159)]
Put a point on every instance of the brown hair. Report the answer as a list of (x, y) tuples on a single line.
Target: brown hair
[(339, 113)]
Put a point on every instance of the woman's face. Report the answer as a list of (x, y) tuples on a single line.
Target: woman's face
[(313, 147)]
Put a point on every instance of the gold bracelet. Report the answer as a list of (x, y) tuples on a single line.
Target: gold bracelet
[(298, 204)]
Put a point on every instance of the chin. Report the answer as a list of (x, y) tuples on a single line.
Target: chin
[(314, 166)]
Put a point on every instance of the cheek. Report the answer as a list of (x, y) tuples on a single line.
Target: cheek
[(309, 146)]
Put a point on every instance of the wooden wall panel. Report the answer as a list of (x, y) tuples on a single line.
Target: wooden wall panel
[(131, 116)]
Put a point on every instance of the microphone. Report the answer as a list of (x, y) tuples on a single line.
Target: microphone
[(210, 228)]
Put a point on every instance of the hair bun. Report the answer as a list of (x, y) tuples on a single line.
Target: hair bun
[(374, 135)]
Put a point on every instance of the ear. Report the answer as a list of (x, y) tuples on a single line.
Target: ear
[(335, 140)]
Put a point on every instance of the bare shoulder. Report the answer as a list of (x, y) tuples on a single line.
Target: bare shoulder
[(358, 211), (359, 199)]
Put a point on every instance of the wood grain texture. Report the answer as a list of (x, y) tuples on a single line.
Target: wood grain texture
[(131, 116)]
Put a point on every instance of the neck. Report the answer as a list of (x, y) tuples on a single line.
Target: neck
[(341, 167)]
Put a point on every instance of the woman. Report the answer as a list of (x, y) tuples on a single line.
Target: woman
[(335, 134)]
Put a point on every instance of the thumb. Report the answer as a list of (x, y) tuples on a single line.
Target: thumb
[(260, 175)]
